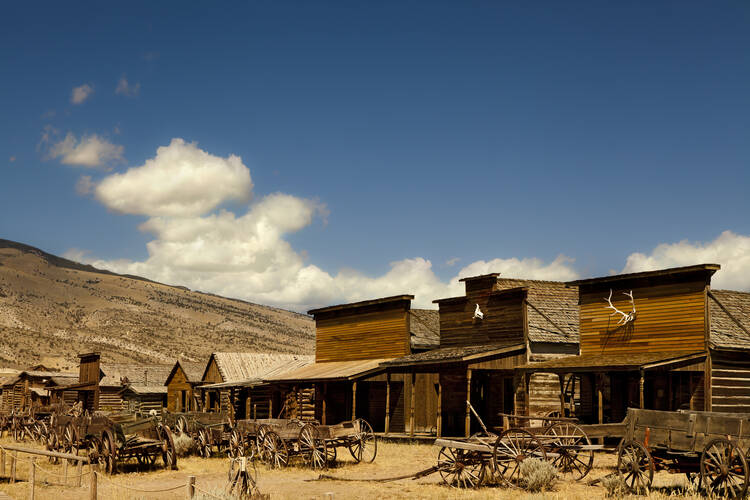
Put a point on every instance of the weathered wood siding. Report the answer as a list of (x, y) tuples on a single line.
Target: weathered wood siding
[(503, 320), (374, 334), (730, 382), (212, 374), (88, 370), (110, 400), (177, 385), (670, 318)]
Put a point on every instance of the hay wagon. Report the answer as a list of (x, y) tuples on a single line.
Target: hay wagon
[(115, 439), (709, 447), (209, 430)]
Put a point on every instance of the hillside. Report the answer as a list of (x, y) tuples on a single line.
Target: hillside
[(52, 308)]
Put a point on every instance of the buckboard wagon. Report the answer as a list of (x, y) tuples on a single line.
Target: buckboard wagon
[(711, 447), (113, 439), (209, 430)]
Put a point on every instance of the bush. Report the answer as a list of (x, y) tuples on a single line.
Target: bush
[(183, 444), (538, 474), (614, 485)]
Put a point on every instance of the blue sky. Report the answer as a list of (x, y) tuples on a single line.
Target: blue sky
[(471, 135)]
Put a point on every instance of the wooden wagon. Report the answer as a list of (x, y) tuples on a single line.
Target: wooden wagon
[(708, 446), (115, 439), (210, 431)]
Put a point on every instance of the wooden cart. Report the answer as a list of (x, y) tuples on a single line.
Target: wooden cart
[(210, 431), (708, 446)]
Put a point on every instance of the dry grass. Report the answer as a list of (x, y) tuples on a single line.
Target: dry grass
[(295, 482)]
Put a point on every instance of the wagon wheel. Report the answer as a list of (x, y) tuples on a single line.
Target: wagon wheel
[(236, 444), (511, 448), (51, 444), (35, 431), (180, 425), (724, 469), (146, 459), (566, 437), (635, 466), (251, 447), (108, 454), (275, 451), (242, 480), (70, 439), (168, 450), (461, 468), (365, 446), (313, 448), (204, 443)]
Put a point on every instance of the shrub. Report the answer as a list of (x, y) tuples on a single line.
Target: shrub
[(183, 444), (538, 474), (614, 485)]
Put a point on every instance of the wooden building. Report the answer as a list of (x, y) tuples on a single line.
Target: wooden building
[(181, 386), (234, 380), (659, 340), (31, 388), (497, 325), (347, 379), (100, 385)]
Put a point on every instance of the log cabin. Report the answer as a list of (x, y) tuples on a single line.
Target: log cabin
[(181, 386), (496, 325), (347, 380), (100, 385), (31, 388), (233, 381), (661, 340)]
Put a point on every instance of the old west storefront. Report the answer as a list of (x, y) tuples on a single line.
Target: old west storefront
[(658, 340), (517, 321)]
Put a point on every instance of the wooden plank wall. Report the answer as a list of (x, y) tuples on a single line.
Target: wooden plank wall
[(110, 400), (503, 320), (88, 370), (368, 334), (177, 384), (670, 318), (212, 374), (730, 382)]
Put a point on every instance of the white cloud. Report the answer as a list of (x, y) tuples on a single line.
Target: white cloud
[(80, 94), (84, 185), (729, 249), (247, 255), (181, 181), (90, 151), (127, 89), (452, 262)]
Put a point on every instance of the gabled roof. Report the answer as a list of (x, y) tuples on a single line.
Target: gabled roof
[(243, 366), (424, 328), (552, 311), (56, 377), (115, 374), (193, 371), (277, 371), (730, 319)]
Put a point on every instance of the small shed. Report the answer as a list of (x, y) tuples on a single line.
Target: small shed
[(181, 383)]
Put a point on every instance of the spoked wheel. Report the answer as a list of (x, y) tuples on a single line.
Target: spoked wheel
[(461, 468), (242, 479), (364, 448), (51, 444), (146, 460), (566, 439), (180, 426), (313, 447), (724, 470), (251, 447), (635, 466), (70, 439), (94, 452), (204, 443), (108, 453), (511, 448), (275, 451), (168, 450), (236, 444)]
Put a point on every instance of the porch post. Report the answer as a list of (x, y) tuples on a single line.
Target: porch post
[(600, 400), (354, 400), (467, 424), (323, 417), (440, 409), (387, 402), (641, 383), (561, 377), (413, 401)]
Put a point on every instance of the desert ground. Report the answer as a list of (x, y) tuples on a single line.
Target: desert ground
[(296, 482)]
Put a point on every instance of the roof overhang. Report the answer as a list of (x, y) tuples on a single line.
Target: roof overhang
[(433, 358), (364, 303), (709, 268), (614, 362), (332, 371)]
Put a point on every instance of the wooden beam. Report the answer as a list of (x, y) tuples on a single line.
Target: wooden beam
[(641, 385), (561, 378), (387, 402), (439, 408), (600, 400), (354, 400), (413, 402), (323, 417), (467, 424), (707, 380)]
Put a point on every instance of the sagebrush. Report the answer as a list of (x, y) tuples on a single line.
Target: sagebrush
[(538, 474)]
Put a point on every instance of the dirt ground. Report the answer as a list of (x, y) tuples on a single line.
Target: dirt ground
[(296, 482)]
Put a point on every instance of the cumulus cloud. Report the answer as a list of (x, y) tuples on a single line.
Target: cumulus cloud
[(181, 181), (90, 151), (80, 94), (127, 89), (729, 249)]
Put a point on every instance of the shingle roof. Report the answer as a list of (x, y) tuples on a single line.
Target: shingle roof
[(424, 325), (150, 374), (730, 319), (610, 361), (453, 354), (330, 370), (243, 366), (553, 309)]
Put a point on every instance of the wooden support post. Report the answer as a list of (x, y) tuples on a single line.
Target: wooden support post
[(32, 478), (2, 463), (387, 402), (439, 408), (92, 483), (354, 400), (600, 400), (255, 410), (325, 393), (65, 471), (412, 404), (561, 377), (13, 460), (467, 430), (641, 384), (270, 407), (79, 473), (191, 487)]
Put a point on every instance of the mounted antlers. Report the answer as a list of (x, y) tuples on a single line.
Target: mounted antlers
[(626, 317)]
